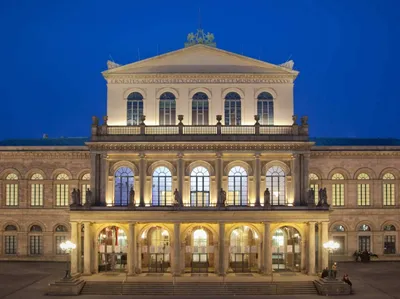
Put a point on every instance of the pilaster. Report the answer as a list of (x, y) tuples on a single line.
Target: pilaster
[(180, 172), (132, 255), (74, 252), (267, 249), (311, 247), (324, 239), (221, 251), (257, 178), (87, 249), (142, 178), (296, 179), (177, 246), (218, 173)]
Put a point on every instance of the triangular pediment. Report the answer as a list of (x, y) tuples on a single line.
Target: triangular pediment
[(199, 59)]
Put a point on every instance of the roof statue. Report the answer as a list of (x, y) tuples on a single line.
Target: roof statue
[(288, 64), (112, 64), (200, 38)]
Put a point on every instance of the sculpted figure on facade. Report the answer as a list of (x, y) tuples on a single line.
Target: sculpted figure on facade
[(177, 199), (267, 198), (222, 198), (89, 201), (311, 197), (132, 202), (323, 198), (74, 197), (78, 197)]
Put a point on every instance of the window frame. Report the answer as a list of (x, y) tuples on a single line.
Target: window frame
[(157, 199), (238, 184), (134, 108), (232, 104), (265, 100), (201, 184)]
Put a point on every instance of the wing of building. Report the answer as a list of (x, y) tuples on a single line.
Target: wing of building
[(199, 166)]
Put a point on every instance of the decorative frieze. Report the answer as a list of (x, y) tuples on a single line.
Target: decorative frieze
[(17, 154), (342, 153)]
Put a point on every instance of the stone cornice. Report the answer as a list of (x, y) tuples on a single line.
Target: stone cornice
[(343, 153), (223, 147), (198, 78), (16, 154)]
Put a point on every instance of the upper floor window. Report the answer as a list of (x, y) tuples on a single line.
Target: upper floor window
[(276, 184), (200, 109), (85, 185), (36, 190), (265, 108), (167, 112), (363, 190), (338, 190), (388, 189), (62, 190), (233, 109), (313, 184), (162, 187), (123, 183), (134, 108), (237, 186), (12, 190), (200, 187)]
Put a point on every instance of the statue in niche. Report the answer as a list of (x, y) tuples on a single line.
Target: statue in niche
[(88, 202), (132, 202), (74, 197), (177, 199), (267, 198), (222, 198)]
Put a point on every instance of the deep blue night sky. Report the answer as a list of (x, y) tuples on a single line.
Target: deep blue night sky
[(52, 53)]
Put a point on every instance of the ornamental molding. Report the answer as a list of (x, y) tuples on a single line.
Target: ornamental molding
[(289, 147), (15, 154), (355, 154), (198, 78)]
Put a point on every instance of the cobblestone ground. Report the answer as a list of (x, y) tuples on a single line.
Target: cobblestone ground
[(30, 280)]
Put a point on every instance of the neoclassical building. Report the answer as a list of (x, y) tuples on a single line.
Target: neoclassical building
[(199, 166)]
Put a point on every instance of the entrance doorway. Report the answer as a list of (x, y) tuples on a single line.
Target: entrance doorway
[(158, 263), (156, 250), (112, 249), (286, 255), (243, 249), (199, 262)]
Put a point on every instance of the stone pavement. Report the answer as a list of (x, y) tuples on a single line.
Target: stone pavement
[(30, 280)]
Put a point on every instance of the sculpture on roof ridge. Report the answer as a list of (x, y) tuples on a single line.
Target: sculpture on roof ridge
[(200, 38), (112, 64), (288, 65)]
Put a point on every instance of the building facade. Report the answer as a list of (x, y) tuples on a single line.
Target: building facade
[(199, 166)]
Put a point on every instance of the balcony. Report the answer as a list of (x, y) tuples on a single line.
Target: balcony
[(217, 132)]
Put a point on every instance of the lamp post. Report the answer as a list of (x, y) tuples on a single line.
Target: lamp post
[(331, 246), (67, 247)]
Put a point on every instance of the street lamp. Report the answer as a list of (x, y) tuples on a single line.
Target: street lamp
[(331, 246), (67, 247)]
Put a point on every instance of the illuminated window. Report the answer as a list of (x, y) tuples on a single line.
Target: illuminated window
[(85, 185), (60, 236), (363, 190), (200, 109), (200, 239), (200, 187), (62, 191), (233, 109), (364, 228), (35, 240), (124, 180), (313, 184), (134, 108), (36, 190), (338, 228), (240, 243), (388, 190), (265, 108), (10, 239), (167, 112), (12, 190), (162, 187), (237, 187), (276, 184), (337, 190)]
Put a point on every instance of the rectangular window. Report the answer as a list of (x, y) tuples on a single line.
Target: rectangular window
[(390, 245), (84, 188), (62, 195), (36, 195), (364, 243), (363, 194), (35, 245), (10, 244), (388, 194), (338, 194), (59, 240), (11, 194)]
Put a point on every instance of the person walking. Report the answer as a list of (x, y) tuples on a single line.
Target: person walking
[(334, 269)]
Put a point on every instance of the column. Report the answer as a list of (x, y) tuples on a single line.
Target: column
[(305, 158), (218, 173), (132, 254), (74, 252), (142, 178), (221, 251), (267, 249), (296, 179), (94, 177), (103, 179), (177, 246), (139, 256), (180, 173), (324, 239), (257, 178), (87, 251), (303, 253), (311, 247)]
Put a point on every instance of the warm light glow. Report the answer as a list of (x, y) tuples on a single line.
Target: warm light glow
[(144, 235), (164, 233), (67, 246), (331, 245), (276, 193), (255, 235)]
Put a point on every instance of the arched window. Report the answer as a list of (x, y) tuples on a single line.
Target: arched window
[(313, 184), (388, 189), (337, 190), (159, 243), (240, 243), (62, 190), (35, 240), (364, 228), (233, 109), (12, 190), (123, 181), (167, 112), (339, 228), (134, 108), (10, 239), (200, 109), (276, 184), (36, 190), (162, 187), (389, 245), (265, 108), (237, 187), (363, 190), (85, 185), (200, 243), (60, 237), (200, 187)]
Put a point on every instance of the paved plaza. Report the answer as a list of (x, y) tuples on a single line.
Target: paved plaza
[(30, 280)]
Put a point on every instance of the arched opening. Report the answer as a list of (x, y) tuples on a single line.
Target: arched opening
[(112, 248), (156, 250), (286, 249), (199, 252), (243, 250)]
